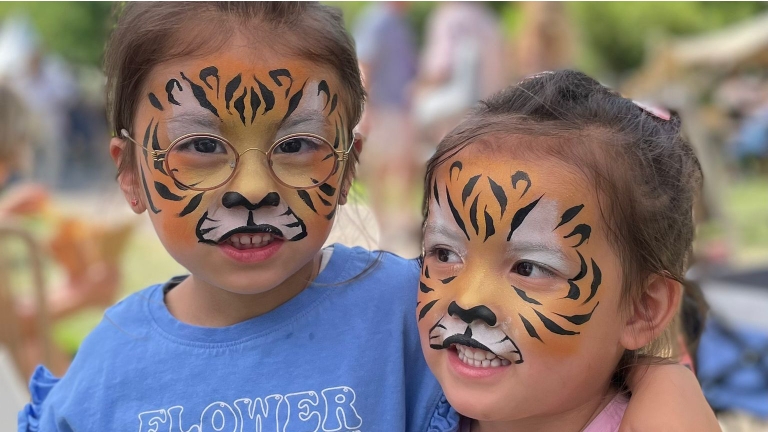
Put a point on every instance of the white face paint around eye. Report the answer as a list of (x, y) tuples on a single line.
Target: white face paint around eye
[(535, 240), (531, 305), (230, 233)]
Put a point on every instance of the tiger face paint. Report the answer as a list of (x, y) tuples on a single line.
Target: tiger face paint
[(518, 307), (251, 233)]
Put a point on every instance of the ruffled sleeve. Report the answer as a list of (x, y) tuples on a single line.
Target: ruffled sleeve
[(40, 385), (444, 419)]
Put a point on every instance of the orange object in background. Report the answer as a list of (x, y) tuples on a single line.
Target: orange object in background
[(79, 244)]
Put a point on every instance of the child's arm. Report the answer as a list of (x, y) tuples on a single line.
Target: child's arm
[(667, 398)]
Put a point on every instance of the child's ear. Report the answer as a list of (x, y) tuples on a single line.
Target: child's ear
[(358, 142), (126, 179), (652, 313), (346, 184)]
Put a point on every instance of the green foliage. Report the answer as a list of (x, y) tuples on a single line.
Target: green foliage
[(75, 30), (615, 33)]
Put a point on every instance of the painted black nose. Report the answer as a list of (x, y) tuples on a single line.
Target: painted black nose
[(477, 313), (234, 199)]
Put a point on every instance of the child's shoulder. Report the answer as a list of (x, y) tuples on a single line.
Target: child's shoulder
[(357, 266), (122, 324), (131, 313), (108, 348)]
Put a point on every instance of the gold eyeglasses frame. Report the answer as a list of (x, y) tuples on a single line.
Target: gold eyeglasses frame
[(160, 156)]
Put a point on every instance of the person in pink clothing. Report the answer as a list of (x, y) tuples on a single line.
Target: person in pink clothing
[(558, 226)]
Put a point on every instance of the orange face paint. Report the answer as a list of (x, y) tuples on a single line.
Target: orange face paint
[(251, 98), (519, 285)]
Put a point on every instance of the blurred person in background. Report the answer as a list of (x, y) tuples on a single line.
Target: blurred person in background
[(15, 154), (47, 87), (462, 62), (750, 146), (386, 51), (547, 40)]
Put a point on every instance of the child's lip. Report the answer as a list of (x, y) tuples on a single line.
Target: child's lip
[(468, 371), (460, 339), (255, 229), (251, 254)]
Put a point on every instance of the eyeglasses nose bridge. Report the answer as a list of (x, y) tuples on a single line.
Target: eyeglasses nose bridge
[(240, 155), (253, 148)]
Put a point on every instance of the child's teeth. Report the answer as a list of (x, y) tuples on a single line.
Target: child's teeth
[(480, 358), (246, 241)]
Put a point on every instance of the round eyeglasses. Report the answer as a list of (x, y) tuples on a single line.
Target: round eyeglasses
[(202, 161)]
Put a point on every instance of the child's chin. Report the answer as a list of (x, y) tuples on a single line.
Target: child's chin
[(247, 284), (485, 407)]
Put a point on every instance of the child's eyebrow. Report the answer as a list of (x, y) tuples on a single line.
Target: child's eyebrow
[(301, 119), (195, 120), (523, 247), (438, 229)]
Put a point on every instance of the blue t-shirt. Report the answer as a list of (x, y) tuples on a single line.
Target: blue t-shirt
[(343, 355)]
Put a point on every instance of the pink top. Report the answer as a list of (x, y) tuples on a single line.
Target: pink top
[(610, 417), (608, 420)]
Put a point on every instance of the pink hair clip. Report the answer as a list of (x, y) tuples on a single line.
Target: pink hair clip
[(655, 111)]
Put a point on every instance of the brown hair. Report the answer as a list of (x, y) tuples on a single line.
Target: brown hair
[(149, 33), (644, 171)]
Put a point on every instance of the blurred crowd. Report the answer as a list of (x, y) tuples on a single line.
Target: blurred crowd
[(65, 103), (416, 94)]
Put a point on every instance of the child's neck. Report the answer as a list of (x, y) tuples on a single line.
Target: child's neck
[(573, 420), (198, 303)]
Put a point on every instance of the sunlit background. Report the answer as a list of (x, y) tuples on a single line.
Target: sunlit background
[(70, 246)]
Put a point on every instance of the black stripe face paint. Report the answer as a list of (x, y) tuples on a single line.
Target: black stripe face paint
[(170, 87), (521, 176), (266, 95), (582, 230), (151, 203), (539, 275), (250, 104), (499, 194), (277, 76), (156, 146), (200, 95), (239, 105), (323, 88), (209, 72), (569, 214), (473, 216), (231, 88), (249, 231), (520, 216), (456, 216), (154, 101), (294, 102), (468, 189), (426, 309)]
